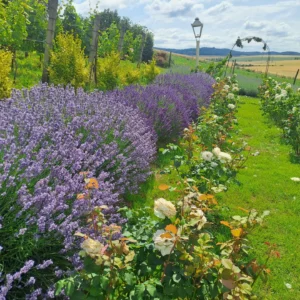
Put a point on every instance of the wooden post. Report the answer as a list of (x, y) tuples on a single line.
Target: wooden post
[(52, 11), (94, 45), (121, 41), (233, 67), (142, 49), (296, 77), (170, 59)]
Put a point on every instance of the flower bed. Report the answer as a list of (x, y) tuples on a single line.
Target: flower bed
[(48, 136)]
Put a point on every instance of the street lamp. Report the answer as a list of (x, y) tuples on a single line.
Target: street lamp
[(197, 28)]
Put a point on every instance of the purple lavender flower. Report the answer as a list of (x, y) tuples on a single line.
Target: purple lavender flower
[(45, 264), (31, 281)]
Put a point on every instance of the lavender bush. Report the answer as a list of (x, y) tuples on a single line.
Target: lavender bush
[(196, 86), (171, 103), (48, 135)]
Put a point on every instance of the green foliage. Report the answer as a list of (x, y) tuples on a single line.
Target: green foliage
[(149, 71), (68, 64), (107, 18), (5, 81), (281, 103), (127, 49), (129, 73), (13, 23), (148, 48), (36, 26), (137, 46), (71, 22), (108, 72), (109, 41)]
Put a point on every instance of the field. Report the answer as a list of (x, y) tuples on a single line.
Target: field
[(249, 80), (287, 68)]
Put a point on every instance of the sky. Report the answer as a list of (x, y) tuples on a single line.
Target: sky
[(275, 21)]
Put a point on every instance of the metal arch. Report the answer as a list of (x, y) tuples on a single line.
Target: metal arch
[(249, 39)]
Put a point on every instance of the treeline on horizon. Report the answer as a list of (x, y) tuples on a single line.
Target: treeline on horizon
[(222, 52)]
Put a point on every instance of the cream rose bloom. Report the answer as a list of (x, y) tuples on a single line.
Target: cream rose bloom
[(231, 106), (164, 208), (225, 156), (216, 151), (206, 155), (230, 96), (163, 244), (92, 247)]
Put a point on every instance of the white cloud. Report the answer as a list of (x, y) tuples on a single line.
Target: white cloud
[(83, 7), (168, 9), (219, 8), (276, 22)]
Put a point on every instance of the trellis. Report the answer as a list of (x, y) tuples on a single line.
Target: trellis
[(239, 43)]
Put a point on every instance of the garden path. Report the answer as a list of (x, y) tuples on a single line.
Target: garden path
[(266, 185)]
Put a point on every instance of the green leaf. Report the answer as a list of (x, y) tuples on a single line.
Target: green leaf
[(227, 263), (139, 291), (70, 287), (151, 290), (129, 278), (104, 282), (59, 286)]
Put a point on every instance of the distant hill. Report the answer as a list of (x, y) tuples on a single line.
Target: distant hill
[(206, 51)]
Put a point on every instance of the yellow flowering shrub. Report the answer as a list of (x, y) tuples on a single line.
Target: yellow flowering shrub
[(68, 64), (108, 71), (150, 71), (5, 81), (129, 74)]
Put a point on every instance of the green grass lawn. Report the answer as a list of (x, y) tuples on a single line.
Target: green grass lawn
[(265, 185)]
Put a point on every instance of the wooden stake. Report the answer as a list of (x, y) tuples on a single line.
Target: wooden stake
[(142, 49), (94, 45), (121, 41), (52, 11), (296, 77)]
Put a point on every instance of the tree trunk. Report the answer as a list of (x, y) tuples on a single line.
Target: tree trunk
[(52, 10), (121, 41), (94, 46), (142, 50)]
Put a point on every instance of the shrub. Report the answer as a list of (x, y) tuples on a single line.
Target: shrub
[(197, 86), (149, 71), (281, 103), (179, 257), (162, 59), (169, 105), (48, 136), (5, 81), (68, 65), (108, 72)]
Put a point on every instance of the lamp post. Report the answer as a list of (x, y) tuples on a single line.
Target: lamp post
[(197, 28)]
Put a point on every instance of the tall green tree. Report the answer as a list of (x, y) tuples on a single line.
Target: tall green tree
[(148, 48), (108, 17), (13, 23), (71, 21), (36, 26), (109, 41)]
